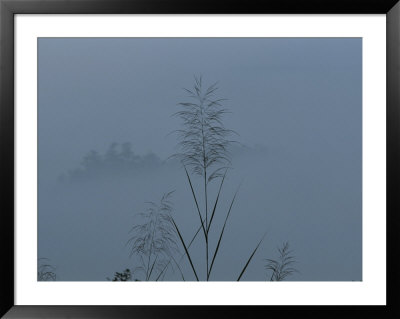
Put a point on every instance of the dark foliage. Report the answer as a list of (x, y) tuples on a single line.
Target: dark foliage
[(122, 276)]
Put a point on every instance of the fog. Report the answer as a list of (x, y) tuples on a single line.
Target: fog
[(105, 140)]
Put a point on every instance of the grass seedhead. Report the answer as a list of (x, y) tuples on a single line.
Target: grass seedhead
[(282, 267)]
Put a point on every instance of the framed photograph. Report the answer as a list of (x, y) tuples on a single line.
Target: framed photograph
[(175, 159)]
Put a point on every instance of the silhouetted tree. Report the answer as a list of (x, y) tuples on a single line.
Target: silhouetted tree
[(119, 159)]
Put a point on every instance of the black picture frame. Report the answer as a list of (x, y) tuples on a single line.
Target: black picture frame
[(8, 8)]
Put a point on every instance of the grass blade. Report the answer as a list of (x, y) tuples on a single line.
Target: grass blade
[(222, 233), (194, 237), (216, 202), (159, 275), (191, 242), (197, 204), (184, 246), (152, 267), (251, 256), (179, 268)]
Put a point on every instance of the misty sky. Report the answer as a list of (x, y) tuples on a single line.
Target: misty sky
[(296, 104)]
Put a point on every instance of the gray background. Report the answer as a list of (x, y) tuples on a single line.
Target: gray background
[(296, 104)]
